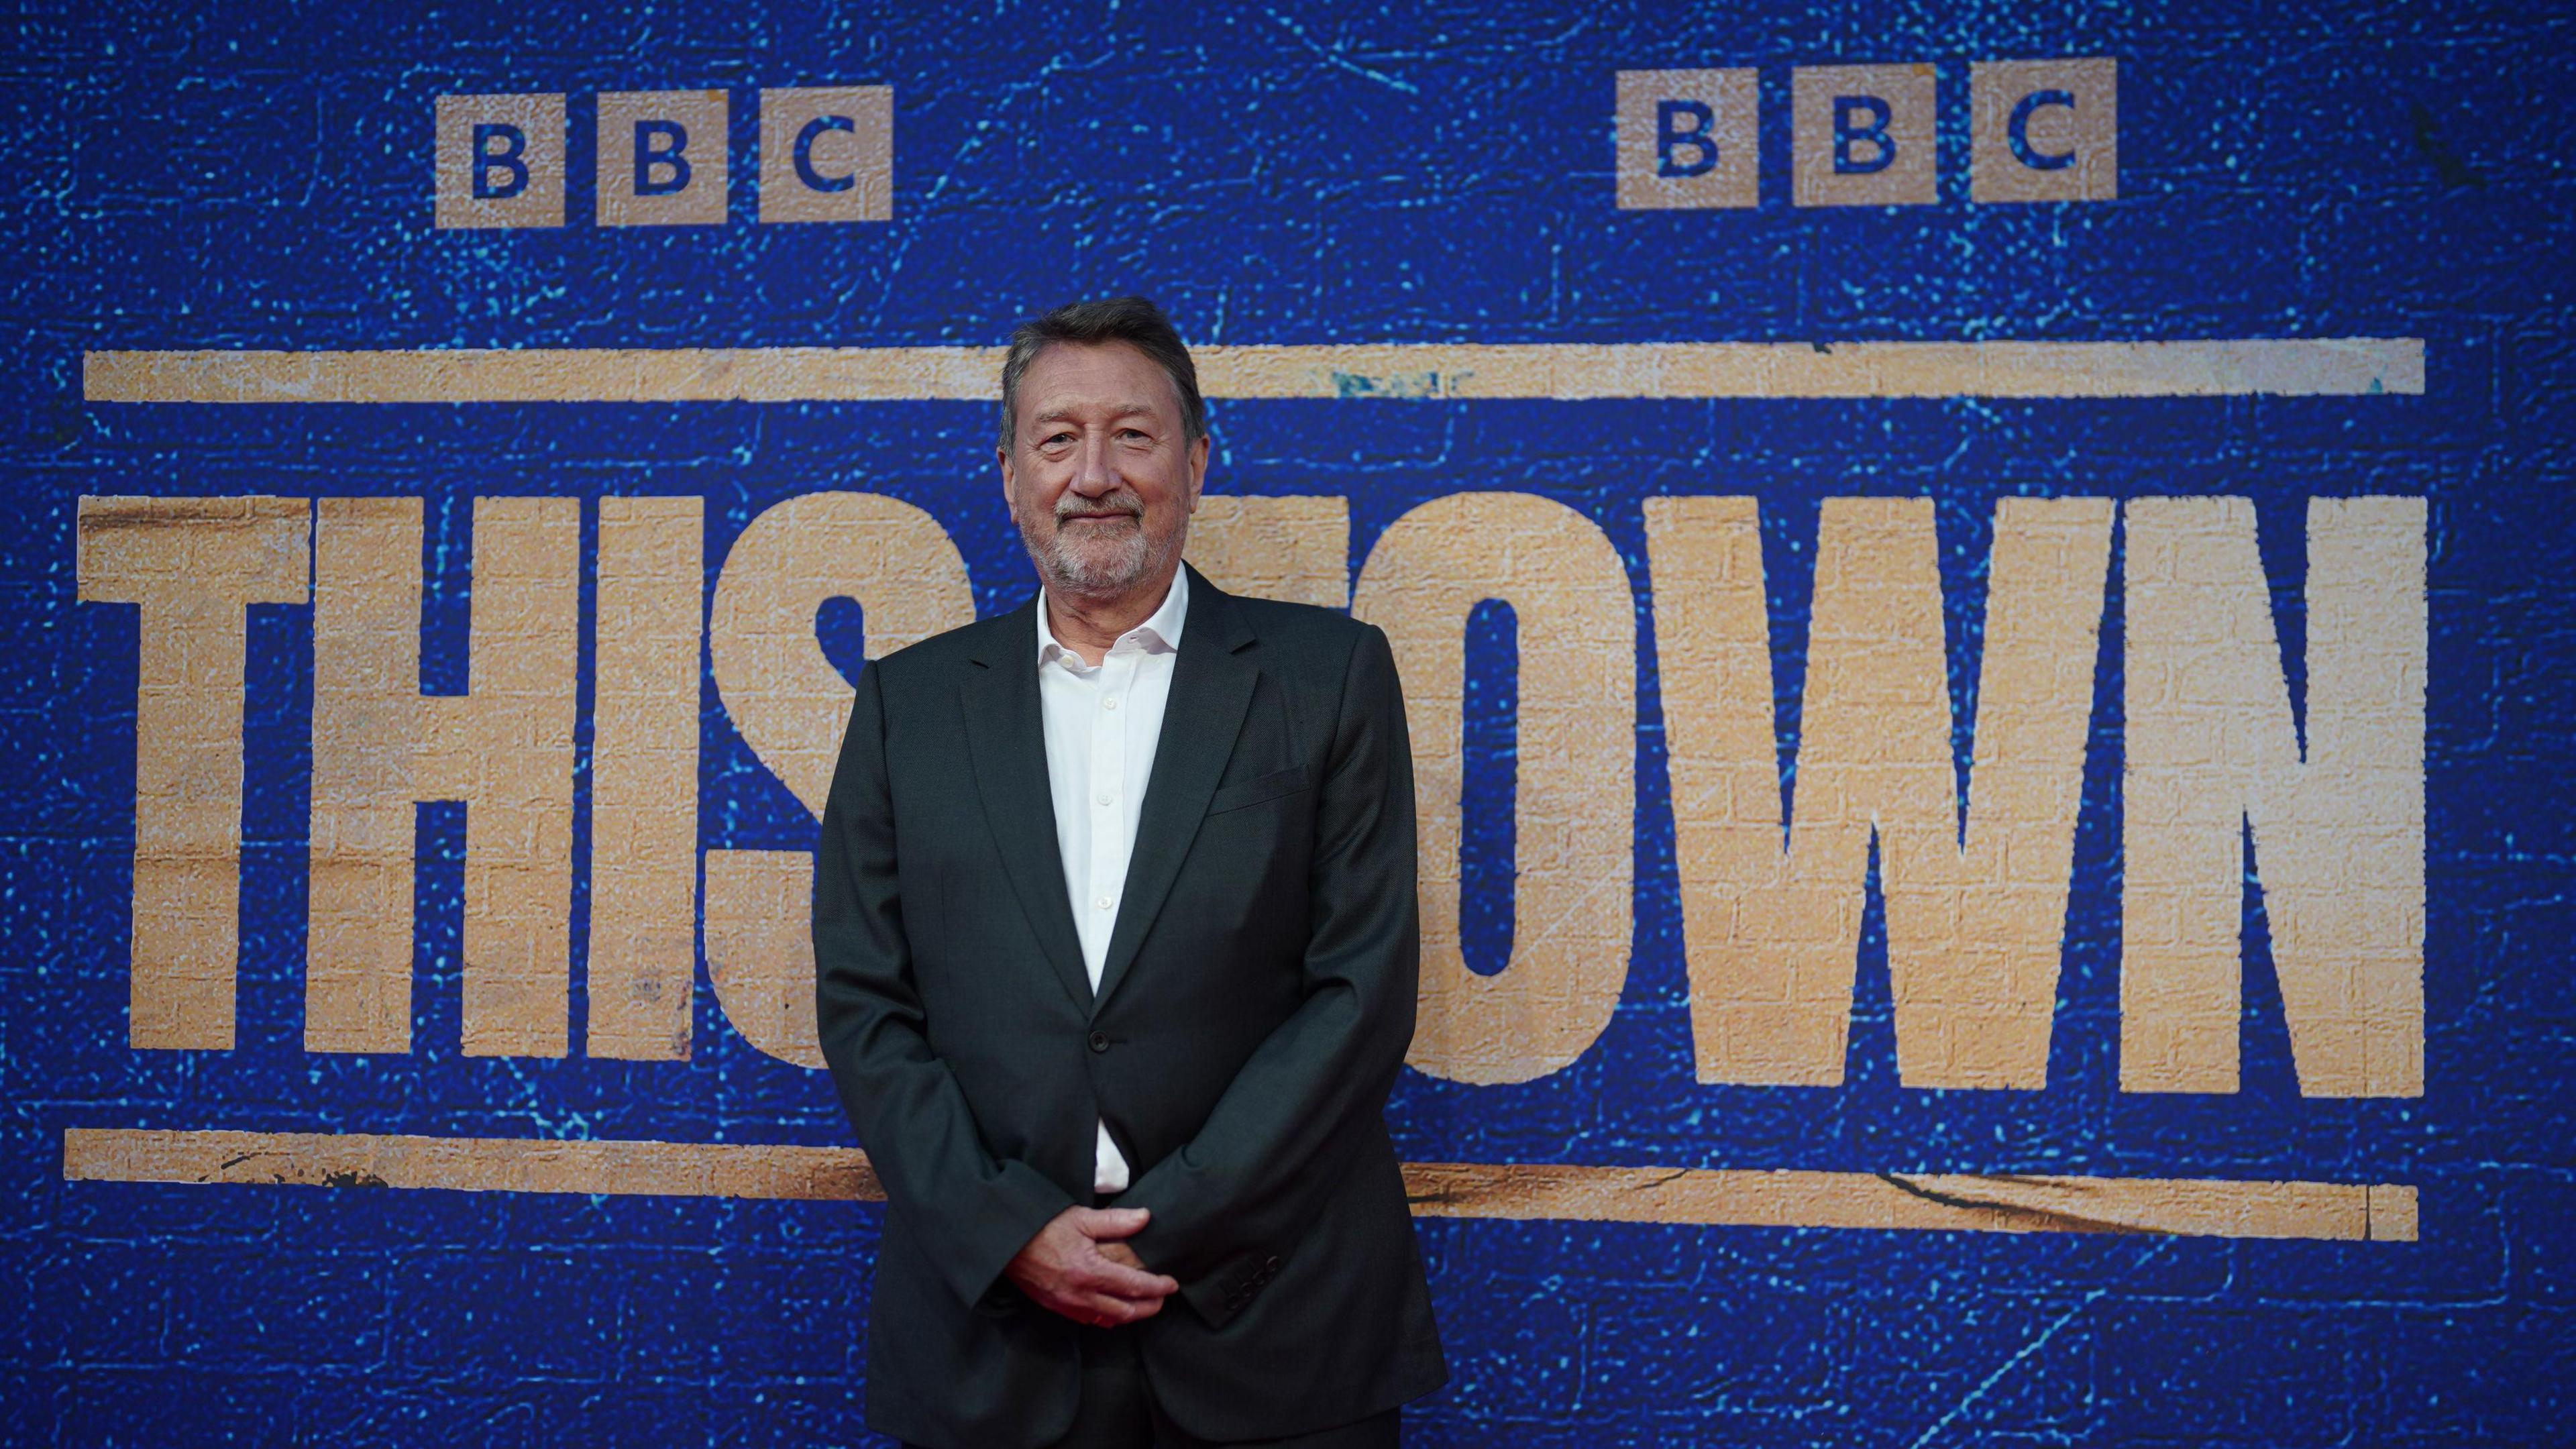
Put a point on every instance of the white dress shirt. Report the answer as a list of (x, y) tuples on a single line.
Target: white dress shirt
[(1102, 723)]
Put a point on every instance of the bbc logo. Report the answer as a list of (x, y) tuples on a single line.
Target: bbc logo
[(1862, 135), (826, 154)]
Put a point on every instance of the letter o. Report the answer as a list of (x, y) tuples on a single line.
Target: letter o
[(1575, 801)]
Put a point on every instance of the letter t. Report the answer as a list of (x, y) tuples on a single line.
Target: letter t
[(195, 565)]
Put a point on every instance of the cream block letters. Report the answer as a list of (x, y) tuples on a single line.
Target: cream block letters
[(1575, 811), (1975, 872), (644, 777), (791, 706), (194, 565), (504, 748), (1296, 548), (1974, 917), (2338, 829)]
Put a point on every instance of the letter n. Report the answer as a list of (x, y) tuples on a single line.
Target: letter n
[(2338, 827)]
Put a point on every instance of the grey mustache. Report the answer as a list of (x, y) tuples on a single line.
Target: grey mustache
[(1130, 506)]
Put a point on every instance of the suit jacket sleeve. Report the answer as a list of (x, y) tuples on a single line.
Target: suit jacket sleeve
[(971, 1212), (1272, 1149)]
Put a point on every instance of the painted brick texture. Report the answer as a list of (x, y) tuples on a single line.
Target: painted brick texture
[(200, 177)]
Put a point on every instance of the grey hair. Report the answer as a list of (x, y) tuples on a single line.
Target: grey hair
[(1132, 320)]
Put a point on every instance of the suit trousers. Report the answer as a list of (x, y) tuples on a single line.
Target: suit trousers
[(1118, 1409)]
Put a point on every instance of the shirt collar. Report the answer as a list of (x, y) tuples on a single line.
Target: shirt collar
[(1159, 634)]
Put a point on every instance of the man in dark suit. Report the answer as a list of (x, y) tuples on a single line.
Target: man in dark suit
[(1115, 949)]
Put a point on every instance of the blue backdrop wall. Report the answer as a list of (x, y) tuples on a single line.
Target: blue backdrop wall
[(203, 180)]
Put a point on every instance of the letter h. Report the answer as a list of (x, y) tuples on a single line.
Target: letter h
[(504, 748)]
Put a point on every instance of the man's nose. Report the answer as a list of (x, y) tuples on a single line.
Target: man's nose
[(1092, 473)]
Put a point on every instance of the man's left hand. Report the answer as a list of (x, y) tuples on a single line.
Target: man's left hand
[(1077, 1266)]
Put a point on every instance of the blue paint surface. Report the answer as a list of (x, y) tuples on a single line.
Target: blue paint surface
[(246, 176)]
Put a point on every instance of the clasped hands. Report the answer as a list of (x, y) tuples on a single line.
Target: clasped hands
[(1079, 1265)]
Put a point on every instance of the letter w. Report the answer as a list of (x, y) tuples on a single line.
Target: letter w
[(1975, 914)]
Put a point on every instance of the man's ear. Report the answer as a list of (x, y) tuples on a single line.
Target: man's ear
[(1002, 456), (1198, 469)]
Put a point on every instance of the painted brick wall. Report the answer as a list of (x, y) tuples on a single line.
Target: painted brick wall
[(260, 177)]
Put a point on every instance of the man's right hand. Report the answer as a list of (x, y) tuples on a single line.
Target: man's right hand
[(1079, 1265)]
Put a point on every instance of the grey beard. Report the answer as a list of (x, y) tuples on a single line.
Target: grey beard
[(1099, 566)]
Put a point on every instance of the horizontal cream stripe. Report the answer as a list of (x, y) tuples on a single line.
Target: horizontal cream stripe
[(2277, 366), (2009, 1204), (2191, 1207), (468, 1164)]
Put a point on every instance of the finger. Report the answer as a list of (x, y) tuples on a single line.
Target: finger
[(1108, 1277), (1084, 1304), (1111, 1223), (1120, 1254), (1081, 1308), (1110, 1311)]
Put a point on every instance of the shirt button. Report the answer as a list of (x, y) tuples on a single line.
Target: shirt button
[(1102, 903), (1108, 799), (1100, 1041), (1109, 704)]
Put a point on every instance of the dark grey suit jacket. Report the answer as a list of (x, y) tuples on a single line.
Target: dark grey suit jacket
[(1254, 1010)]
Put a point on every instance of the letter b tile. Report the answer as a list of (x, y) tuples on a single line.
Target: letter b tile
[(500, 161), (1688, 138), (1863, 135), (662, 158)]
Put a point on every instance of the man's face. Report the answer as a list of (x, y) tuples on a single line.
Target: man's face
[(1099, 473)]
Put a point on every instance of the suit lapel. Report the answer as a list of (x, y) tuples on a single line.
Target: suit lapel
[(1006, 736), (1211, 688)]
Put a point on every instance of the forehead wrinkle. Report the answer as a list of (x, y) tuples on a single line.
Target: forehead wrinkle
[(1075, 411)]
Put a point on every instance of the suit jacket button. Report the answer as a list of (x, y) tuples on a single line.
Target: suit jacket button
[(1271, 1267), (1100, 1041)]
